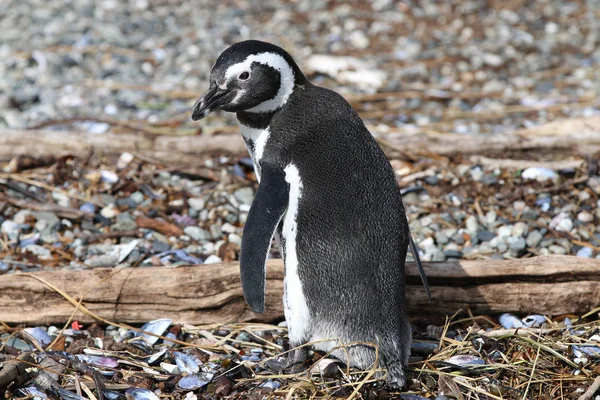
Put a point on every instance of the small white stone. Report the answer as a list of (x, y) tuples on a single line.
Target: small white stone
[(110, 109), (551, 28), (472, 224), (212, 260), (520, 229), (176, 203), (585, 216), (147, 68), (109, 177), (493, 60), (565, 225), (109, 211), (41, 252), (428, 242), (196, 203), (505, 231), (583, 195), (236, 239), (519, 205), (557, 249), (228, 228), (490, 217), (539, 174), (124, 160)]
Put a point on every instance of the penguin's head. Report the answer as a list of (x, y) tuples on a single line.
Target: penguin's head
[(249, 76)]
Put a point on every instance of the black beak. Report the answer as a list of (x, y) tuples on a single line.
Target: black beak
[(213, 99)]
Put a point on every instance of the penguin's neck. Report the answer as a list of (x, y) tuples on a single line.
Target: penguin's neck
[(255, 120), (255, 131)]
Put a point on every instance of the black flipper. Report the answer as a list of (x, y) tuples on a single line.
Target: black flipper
[(267, 209), (415, 253)]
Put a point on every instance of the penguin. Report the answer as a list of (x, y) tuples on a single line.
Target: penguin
[(329, 195)]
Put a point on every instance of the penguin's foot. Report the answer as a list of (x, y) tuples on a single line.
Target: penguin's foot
[(298, 358), (395, 378), (293, 362)]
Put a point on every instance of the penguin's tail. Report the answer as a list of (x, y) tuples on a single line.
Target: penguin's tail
[(415, 253)]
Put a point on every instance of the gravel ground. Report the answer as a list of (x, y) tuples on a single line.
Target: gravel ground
[(545, 359), (101, 213), (487, 67), (467, 66)]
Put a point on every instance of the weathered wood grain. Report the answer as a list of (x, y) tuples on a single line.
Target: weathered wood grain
[(572, 136), (206, 294)]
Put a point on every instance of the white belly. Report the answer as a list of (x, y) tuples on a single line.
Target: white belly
[(295, 308)]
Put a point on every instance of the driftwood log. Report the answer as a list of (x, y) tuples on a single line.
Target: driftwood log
[(572, 136), (206, 294)]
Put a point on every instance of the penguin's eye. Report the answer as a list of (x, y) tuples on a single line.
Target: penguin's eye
[(244, 76)]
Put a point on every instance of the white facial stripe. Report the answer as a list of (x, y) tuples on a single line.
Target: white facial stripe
[(275, 61), (238, 96)]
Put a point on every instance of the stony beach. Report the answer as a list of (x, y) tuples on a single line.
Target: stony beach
[(469, 67)]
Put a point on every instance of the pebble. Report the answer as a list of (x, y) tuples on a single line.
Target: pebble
[(565, 225), (584, 252), (109, 211), (197, 233), (228, 228), (441, 238), (432, 180), (125, 158), (21, 216), (61, 199), (244, 195), (88, 208), (123, 225), (215, 231), (539, 173), (519, 205), (585, 216), (234, 238), (516, 243), (485, 236), (476, 173), (137, 197), (11, 229), (41, 252), (458, 238), (159, 246), (520, 229), (490, 218), (196, 203), (534, 238), (505, 231), (472, 224), (18, 343), (557, 249), (212, 259)]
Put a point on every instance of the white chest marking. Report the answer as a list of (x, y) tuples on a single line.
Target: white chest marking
[(295, 308), (275, 61), (256, 140)]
